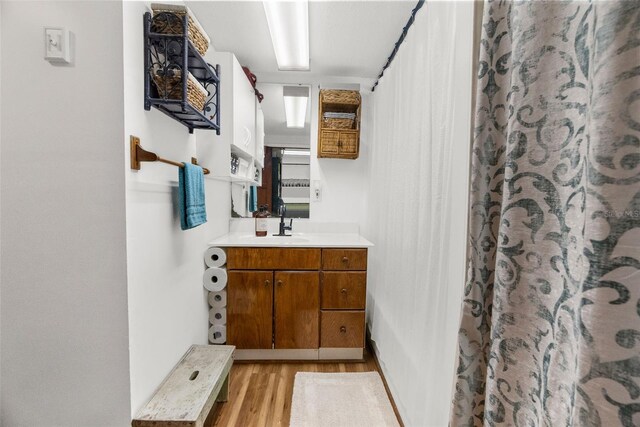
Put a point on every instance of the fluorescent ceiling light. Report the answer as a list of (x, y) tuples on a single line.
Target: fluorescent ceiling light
[(289, 27), (296, 153), (295, 105)]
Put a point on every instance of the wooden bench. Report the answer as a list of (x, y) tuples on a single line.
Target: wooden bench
[(188, 393)]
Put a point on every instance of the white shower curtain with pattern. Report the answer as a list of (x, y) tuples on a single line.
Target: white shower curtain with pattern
[(417, 197)]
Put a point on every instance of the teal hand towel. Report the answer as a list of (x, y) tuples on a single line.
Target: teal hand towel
[(191, 196), (253, 198)]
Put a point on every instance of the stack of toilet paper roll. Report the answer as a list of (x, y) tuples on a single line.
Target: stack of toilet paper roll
[(215, 281)]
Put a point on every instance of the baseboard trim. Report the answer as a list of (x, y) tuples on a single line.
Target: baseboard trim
[(292, 355), (276, 354), (341, 353), (371, 347)]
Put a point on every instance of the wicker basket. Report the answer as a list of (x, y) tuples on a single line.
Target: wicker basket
[(197, 35), (333, 123), (351, 97), (170, 87)]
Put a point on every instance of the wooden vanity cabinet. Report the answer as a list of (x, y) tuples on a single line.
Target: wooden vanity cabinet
[(296, 303)]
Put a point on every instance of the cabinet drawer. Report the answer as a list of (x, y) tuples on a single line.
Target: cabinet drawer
[(342, 329), (344, 259), (344, 290), (273, 258)]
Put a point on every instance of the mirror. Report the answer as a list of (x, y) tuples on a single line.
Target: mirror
[(290, 174), (286, 172)]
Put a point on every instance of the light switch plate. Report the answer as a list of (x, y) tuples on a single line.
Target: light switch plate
[(56, 45), (316, 191)]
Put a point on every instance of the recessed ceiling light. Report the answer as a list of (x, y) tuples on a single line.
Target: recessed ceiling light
[(295, 105), (289, 27)]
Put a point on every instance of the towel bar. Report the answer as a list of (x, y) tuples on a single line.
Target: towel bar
[(139, 154)]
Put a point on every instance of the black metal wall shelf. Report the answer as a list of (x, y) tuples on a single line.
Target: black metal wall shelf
[(173, 56)]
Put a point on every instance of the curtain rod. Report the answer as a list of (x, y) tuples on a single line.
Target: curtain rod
[(405, 30)]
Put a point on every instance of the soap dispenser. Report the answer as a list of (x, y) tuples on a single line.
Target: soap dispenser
[(261, 221)]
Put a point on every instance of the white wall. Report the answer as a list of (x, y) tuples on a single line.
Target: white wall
[(65, 357), (416, 215), (342, 181), (167, 303)]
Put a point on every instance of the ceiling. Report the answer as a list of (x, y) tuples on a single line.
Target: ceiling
[(347, 38), (349, 43)]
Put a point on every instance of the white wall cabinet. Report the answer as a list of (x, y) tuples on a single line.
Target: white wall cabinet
[(239, 133), (244, 111)]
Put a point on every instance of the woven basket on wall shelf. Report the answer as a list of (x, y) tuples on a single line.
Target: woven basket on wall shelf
[(333, 123), (170, 87), (198, 37), (341, 97)]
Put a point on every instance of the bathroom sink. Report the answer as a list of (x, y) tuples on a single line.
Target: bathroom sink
[(299, 239)]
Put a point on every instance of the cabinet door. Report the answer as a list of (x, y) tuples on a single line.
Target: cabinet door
[(244, 111), (348, 143), (329, 143), (250, 309), (297, 309)]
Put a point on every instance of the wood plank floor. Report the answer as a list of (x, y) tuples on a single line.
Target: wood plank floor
[(260, 393)]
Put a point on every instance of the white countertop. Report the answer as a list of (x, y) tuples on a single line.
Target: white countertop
[(300, 240)]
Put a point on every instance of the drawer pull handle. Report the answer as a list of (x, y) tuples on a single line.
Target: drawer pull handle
[(279, 282), (343, 329), (345, 259), (267, 282), (344, 290)]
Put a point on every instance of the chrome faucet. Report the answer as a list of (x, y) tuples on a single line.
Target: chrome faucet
[(282, 211)]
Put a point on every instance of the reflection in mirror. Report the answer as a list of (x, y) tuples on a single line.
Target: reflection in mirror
[(290, 185), (285, 176)]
